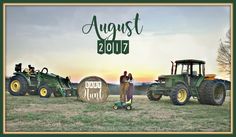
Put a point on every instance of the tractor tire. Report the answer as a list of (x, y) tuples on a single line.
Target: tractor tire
[(201, 98), (151, 96), (214, 93), (128, 107), (179, 94), (44, 91), (18, 86), (115, 107)]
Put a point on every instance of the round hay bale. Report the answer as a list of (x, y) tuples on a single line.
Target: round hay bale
[(93, 89)]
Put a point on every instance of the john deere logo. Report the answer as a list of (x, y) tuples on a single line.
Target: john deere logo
[(93, 89)]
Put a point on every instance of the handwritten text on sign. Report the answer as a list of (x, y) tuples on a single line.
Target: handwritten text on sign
[(93, 89)]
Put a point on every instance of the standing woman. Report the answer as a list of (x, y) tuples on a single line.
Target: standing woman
[(130, 91)]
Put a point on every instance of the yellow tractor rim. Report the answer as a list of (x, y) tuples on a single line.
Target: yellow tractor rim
[(182, 95), (43, 92), (15, 86)]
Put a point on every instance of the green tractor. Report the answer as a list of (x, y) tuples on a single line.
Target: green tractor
[(188, 79), (39, 83)]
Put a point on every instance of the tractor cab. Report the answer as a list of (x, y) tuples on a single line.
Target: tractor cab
[(189, 67), (192, 70)]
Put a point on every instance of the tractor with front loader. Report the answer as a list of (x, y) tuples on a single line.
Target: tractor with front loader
[(39, 83), (188, 79)]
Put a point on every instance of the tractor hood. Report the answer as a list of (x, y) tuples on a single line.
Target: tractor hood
[(162, 77)]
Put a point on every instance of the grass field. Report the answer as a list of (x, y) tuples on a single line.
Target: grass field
[(34, 114)]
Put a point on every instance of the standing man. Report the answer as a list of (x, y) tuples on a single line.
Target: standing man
[(124, 85)]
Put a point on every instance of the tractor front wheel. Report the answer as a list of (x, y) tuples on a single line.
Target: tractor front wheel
[(179, 95), (45, 91), (151, 95), (18, 86), (115, 107)]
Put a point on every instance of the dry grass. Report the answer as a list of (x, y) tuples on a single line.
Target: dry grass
[(34, 114)]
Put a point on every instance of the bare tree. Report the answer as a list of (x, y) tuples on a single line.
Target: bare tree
[(224, 54)]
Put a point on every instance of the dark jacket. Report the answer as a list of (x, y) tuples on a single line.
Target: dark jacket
[(123, 78)]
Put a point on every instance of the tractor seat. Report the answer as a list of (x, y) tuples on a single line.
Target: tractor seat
[(129, 102), (194, 73), (184, 73), (26, 70)]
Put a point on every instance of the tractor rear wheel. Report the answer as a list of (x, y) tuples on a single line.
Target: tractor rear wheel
[(202, 92), (150, 94), (18, 86), (128, 107), (45, 91), (179, 94), (213, 93)]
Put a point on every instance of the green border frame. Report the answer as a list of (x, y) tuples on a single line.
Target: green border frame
[(110, 1)]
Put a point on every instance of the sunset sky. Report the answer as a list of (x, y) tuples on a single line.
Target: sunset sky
[(51, 36)]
